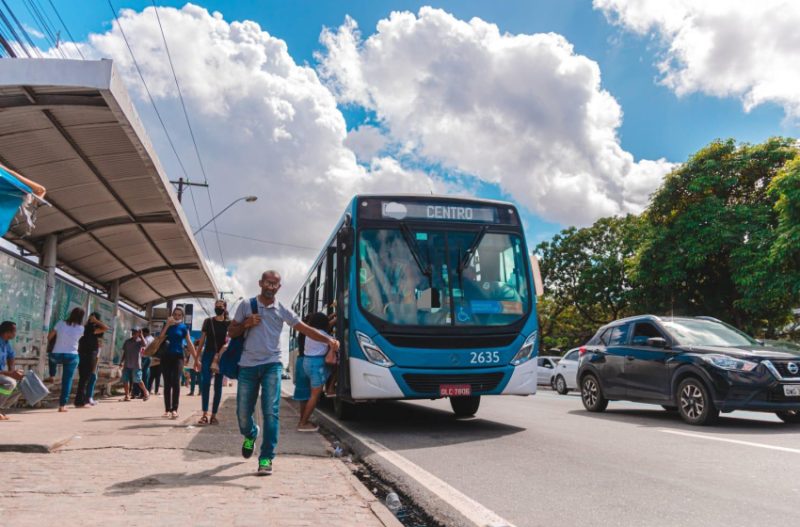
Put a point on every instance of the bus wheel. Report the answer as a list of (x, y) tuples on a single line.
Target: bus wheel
[(465, 406), (343, 410)]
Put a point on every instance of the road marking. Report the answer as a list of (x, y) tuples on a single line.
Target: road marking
[(474, 511), (734, 441)]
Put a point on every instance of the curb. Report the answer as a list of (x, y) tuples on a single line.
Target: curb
[(381, 512), (441, 509)]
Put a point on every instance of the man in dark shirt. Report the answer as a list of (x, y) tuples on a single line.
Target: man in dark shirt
[(88, 351)]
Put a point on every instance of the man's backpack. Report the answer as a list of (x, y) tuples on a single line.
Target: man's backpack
[(229, 361)]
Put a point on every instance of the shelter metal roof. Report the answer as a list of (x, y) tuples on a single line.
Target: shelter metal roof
[(71, 126)]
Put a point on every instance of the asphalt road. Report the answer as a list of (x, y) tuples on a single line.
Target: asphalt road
[(543, 460)]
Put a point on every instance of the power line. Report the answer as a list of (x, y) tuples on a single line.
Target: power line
[(267, 241), (191, 131), (158, 114), (45, 29), (17, 38), (69, 33)]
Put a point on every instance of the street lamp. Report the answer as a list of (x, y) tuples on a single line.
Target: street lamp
[(248, 199)]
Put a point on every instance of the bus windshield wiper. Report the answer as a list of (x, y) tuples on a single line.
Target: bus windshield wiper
[(412, 246), (464, 260)]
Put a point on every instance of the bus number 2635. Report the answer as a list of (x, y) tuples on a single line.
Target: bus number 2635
[(484, 357)]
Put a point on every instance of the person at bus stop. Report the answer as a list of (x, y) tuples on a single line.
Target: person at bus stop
[(9, 375), (260, 365), (191, 375), (88, 350), (66, 334), (175, 334), (212, 339), (131, 364), (148, 338), (315, 369)]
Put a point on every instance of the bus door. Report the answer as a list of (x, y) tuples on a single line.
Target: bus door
[(342, 256)]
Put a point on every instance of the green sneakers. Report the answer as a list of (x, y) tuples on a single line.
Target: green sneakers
[(264, 467), (250, 444)]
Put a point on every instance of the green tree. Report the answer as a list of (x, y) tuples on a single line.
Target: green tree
[(712, 233), (785, 254), (586, 278)]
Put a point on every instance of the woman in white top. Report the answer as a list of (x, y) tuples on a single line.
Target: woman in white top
[(67, 333)]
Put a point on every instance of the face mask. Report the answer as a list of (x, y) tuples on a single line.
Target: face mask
[(219, 310)]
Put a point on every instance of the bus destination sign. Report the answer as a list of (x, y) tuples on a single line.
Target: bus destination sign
[(437, 212)]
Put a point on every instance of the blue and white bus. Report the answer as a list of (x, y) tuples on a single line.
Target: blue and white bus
[(433, 297)]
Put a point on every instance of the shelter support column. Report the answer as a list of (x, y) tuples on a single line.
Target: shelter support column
[(113, 295), (49, 259)]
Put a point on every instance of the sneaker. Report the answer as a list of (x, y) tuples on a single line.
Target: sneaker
[(264, 467), (92, 402), (249, 444)]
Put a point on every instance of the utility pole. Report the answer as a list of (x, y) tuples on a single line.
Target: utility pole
[(186, 183)]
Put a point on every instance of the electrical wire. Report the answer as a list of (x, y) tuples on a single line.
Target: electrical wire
[(267, 241), (44, 29), (158, 114), (69, 33), (17, 38), (191, 131)]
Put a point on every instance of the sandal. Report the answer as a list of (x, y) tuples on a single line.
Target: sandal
[(203, 420), (214, 420), (166, 415)]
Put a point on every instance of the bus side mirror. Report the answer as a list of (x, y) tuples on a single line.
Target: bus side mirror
[(345, 240)]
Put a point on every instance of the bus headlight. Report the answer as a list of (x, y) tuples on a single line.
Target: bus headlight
[(372, 351), (526, 351)]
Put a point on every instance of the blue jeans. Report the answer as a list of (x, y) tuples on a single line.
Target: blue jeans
[(205, 383), (268, 378), (52, 366), (69, 363)]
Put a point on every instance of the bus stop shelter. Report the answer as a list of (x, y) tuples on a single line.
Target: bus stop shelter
[(114, 221)]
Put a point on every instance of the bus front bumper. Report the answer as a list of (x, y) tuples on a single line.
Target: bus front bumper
[(369, 381)]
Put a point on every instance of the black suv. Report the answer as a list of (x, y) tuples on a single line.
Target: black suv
[(696, 366)]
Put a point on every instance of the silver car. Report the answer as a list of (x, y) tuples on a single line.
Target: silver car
[(546, 370), (565, 378)]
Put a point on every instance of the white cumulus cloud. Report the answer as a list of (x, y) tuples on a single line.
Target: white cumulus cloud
[(724, 48), (265, 125), (522, 111)]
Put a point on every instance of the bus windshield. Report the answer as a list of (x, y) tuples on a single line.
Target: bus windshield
[(442, 277)]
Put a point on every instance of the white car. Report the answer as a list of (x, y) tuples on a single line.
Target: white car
[(547, 370), (565, 378)]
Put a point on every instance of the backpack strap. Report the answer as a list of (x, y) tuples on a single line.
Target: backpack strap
[(254, 306)]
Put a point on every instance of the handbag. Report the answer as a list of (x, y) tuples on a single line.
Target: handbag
[(229, 361), (32, 388)]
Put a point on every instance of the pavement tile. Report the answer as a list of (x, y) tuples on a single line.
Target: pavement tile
[(120, 462)]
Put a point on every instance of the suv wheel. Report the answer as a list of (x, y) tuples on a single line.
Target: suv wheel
[(561, 385), (592, 394), (695, 404), (789, 416)]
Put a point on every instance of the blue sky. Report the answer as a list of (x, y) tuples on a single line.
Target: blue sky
[(656, 123)]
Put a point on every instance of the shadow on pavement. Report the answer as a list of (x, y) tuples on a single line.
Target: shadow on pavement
[(420, 426), (658, 418), (168, 480)]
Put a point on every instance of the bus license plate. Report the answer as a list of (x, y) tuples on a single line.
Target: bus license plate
[(791, 390), (455, 390)]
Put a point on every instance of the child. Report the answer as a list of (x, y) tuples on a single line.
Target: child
[(131, 364), (315, 369)]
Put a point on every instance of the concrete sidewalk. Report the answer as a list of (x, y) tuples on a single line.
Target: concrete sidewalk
[(120, 461)]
